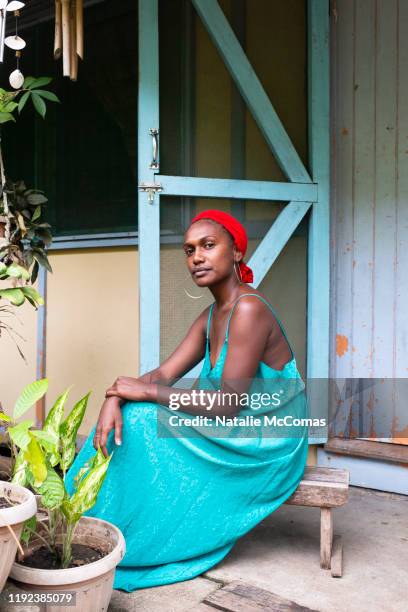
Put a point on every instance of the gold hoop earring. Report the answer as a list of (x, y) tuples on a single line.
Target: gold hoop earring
[(236, 274), (193, 297)]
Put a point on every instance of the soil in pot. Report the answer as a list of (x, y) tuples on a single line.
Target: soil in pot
[(4, 503), (43, 558)]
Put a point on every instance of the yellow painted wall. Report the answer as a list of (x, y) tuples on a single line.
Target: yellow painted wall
[(92, 323), (15, 373)]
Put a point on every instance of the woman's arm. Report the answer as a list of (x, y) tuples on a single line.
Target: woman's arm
[(188, 353), (248, 335)]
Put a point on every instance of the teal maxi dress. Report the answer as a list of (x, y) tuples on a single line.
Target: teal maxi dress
[(183, 501)]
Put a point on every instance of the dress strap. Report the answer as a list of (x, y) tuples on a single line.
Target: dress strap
[(209, 320), (267, 303)]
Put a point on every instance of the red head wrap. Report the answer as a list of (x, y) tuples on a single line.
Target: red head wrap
[(238, 233)]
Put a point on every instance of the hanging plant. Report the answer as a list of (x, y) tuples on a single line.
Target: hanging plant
[(24, 235), (29, 234)]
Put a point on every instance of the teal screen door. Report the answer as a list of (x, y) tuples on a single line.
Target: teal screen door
[(306, 188)]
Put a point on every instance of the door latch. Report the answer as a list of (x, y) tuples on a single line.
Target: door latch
[(151, 189)]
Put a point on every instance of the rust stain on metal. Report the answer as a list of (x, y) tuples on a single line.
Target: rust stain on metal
[(399, 435), (370, 403), (373, 433), (341, 345), (344, 132)]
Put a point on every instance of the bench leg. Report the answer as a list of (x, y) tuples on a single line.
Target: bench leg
[(336, 564), (326, 537)]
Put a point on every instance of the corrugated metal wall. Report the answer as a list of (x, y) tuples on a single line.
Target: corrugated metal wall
[(370, 188)]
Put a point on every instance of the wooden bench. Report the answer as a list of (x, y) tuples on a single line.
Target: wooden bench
[(325, 488)]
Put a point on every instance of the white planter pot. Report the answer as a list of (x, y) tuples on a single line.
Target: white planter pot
[(25, 508), (92, 583)]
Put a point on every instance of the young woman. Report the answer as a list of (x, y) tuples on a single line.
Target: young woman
[(183, 500)]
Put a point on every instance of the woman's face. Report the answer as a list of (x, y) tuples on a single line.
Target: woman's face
[(210, 252)]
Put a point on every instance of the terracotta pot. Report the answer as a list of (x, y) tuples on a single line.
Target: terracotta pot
[(2, 226), (25, 508), (5, 468), (92, 583)]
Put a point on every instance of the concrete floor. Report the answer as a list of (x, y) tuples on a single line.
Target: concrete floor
[(282, 555)]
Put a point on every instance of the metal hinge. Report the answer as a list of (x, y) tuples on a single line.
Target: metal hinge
[(151, 189)]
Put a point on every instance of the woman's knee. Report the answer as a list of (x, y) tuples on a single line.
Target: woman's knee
[(135, 412)]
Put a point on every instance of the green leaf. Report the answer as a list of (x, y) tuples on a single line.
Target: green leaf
[(32, 295), (39, 104), (36, 198), (14, 296), (68, 432), (30, 395), (36, 214), (34, 272), (45, 235), (20, 472), (20, 434), (53, 422), (52, 490), (3, 267), (28, 81), (40, 82), (42, 260), (28, 528), (85, 496), (4, 117), (48, 95), (10, 106), (46, 439), (17, 271), (36, 461), (4, 417)]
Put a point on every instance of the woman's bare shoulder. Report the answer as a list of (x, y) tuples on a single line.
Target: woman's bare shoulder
[(253, 309)]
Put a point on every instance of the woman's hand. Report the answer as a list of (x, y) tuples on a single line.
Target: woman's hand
[(131, 389), (110, 417)]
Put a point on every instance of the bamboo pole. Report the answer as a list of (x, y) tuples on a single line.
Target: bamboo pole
[(73, 52), (58, 30), (66, 38), (80, 28)]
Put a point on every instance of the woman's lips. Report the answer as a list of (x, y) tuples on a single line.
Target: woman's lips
[(199, 273)]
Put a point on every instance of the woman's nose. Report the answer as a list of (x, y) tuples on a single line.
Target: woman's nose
[(198, 255)]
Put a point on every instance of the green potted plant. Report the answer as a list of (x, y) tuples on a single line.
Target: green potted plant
[(67, 551), (24, 235)]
